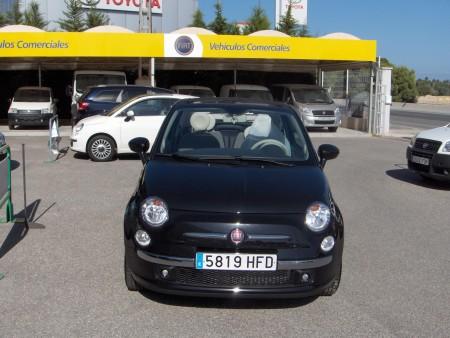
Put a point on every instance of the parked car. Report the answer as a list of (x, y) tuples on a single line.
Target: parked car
[(101, 99), (429, 153), (316, 107), (84, 79), (233, 202), (246, 91), (104, 136), (31, 106), (198, 91)]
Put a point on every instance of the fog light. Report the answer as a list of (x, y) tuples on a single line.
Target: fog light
[(164, 273), (142, 238), (305, 278), (327, 243)]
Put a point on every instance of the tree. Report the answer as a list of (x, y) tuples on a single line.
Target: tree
[(219, 24), (197, 20), (33, 16), (94, 17), (15, 16), (304, 31), (3, 20), (73, 17), (233, 29), (258, 21), (404, 84), (288, 24)]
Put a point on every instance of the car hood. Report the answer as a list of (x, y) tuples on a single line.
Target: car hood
[(30, 105), (318, 106), (249, 189), (441, 134), (96, 119)]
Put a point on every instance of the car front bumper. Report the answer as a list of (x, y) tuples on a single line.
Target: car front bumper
[(319, 122), (439, 167), (183, 279)]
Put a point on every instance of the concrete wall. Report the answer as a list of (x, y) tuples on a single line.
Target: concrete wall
[(176, 14)]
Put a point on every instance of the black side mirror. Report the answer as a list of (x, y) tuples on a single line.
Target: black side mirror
[(327, 152), (140, 145)]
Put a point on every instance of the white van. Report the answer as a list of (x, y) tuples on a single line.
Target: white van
[(83, 79)]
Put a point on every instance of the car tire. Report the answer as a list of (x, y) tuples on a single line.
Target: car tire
[(332, 129), (11, 126), (129, 280), (334, 286), (101, 148)]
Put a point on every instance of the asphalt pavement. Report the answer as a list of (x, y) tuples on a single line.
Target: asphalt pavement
[(67, 279)]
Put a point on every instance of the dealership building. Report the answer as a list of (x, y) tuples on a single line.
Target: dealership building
[(168, 15)]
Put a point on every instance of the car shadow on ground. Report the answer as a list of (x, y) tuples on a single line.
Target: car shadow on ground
[(409, 176), (15, 165), (223, 303)]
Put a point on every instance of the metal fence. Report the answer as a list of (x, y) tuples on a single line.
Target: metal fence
[(5, 184)]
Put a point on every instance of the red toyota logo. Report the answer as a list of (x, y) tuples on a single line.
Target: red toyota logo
[(237, 236)]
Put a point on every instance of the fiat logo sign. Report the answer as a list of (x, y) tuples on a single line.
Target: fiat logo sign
[(237, 236), (184, 45)]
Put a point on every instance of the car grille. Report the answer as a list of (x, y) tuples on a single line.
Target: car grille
[(427, 145), (214, 278), (323, 113), (28, 111), (324, 122), (422, 154)]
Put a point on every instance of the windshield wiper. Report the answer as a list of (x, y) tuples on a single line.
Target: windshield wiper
[(226, 158)]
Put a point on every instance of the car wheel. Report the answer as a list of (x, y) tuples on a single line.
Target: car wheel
[(332, 129), (331, 290), (129, 280), (101, 148), (11, 126)]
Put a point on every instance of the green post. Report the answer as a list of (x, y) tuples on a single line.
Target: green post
[(7, 198)]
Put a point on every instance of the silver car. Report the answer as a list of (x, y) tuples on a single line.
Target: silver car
[(314, 104)]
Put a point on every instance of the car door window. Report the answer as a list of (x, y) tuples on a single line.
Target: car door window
[(152, 107), (132, 92), (107, 95)]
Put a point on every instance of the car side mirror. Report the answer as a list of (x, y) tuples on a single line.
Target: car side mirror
[(130, 116), (140, 145), (327, 152)]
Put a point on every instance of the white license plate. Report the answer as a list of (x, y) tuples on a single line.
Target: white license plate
[(235, 261), (420, 160)]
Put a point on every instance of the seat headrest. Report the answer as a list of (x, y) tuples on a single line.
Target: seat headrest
[(260, 127), (201, 121)]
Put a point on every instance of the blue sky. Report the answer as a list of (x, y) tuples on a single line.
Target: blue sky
[(414, 33)]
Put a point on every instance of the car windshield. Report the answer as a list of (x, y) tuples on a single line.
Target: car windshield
[(32, 95), (312, 96), (84, 81), (235, 133), (196, 92), (252, 94)]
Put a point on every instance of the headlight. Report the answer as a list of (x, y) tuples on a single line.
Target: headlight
[(45, 111), (12, 111), (154, 212), (447, 147), (318, 217), (413, 140), (307, 111), (78, 127)]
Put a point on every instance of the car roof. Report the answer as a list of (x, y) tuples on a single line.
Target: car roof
[(244, 86), (297, 86), (163, 96), (189, 87)]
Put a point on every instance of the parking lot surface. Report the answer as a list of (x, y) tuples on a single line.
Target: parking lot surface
[(67, 279)]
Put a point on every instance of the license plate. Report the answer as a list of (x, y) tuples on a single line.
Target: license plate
[(235, 261), (420, 160)]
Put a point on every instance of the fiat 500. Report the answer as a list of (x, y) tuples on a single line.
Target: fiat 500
[(233, 202)]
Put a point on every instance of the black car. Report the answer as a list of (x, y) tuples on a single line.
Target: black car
[(101, 99), (233, 202)]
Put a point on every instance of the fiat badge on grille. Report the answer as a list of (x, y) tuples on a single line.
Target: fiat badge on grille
[(237, 236)]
